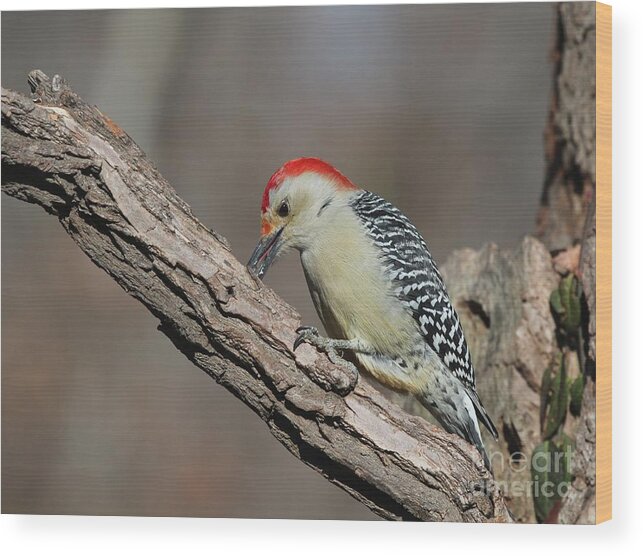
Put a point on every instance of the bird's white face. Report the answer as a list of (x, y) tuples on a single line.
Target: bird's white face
[(297, 212)]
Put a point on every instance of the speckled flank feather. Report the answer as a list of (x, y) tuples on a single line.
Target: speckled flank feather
[(419, 286)]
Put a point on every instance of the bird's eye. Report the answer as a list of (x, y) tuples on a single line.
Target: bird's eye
[(284, 209)]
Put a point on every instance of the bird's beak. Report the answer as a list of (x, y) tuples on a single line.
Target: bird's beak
[(265, 253)]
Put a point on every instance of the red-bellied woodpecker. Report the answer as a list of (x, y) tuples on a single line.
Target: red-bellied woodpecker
[(376, 288)]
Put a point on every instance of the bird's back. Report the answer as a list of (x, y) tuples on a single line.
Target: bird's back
[(419, 287), (418, 284)]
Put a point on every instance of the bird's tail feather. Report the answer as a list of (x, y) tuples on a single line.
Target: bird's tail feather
[(482, 414), (463, 423)]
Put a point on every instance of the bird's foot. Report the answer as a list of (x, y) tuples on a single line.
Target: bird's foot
[(331, 347), (309, 335)]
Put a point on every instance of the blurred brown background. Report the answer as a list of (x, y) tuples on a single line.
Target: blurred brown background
[(439, 108)]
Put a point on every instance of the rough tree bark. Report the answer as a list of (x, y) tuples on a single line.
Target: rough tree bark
[(503, 301), (66, 156)]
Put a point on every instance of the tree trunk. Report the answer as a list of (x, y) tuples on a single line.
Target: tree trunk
[(568, 218)]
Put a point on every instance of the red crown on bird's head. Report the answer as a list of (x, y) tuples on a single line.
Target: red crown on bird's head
[(299, 166)]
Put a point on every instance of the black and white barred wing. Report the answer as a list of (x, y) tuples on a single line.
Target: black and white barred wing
[(420, 287), (417, 280)]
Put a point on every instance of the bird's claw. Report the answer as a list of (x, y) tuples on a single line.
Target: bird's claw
[(305, 334), (310, 335)]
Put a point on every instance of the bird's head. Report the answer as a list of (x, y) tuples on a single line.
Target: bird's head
[(298, 203)]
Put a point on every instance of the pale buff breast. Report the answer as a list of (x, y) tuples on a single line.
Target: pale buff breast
[(351, 293)]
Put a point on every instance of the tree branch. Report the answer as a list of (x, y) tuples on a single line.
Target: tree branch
[(66, 156)]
